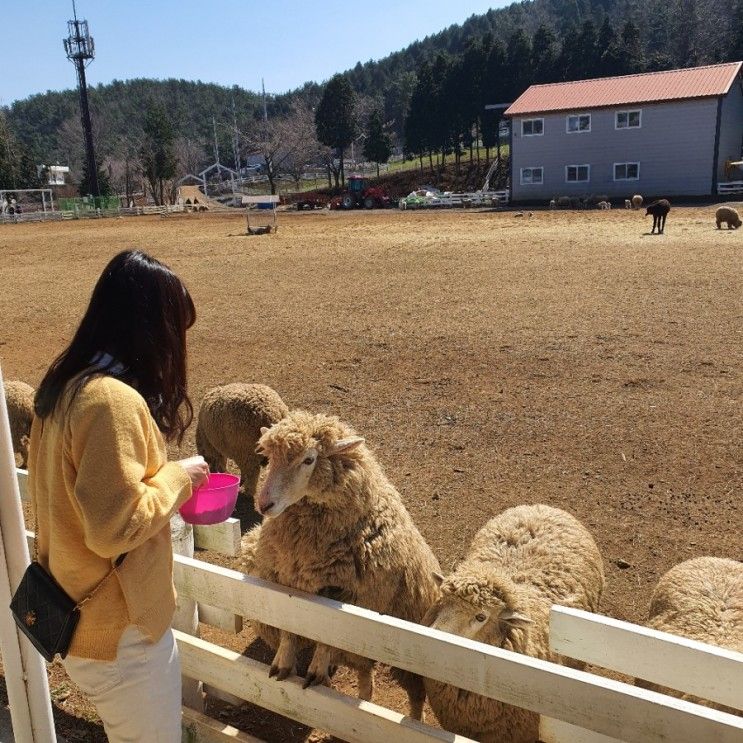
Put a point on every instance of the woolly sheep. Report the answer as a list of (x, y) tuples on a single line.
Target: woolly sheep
[(519, 564), (334, 525), (659, 209), (728, 215), (604, 205), (636, 201), (627, 203), (229, 426), (563, 202), (553, 203), (19, 398), (701, 599)]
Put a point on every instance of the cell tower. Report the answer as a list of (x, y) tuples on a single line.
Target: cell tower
[(80, 49)]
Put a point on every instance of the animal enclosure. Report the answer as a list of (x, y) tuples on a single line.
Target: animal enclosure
[(569, 359)]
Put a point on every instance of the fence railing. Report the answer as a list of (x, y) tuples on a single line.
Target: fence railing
[(730, 187), (574, 705), (51, 216)]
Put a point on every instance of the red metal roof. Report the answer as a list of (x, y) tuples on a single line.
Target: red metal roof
[(648, 87)]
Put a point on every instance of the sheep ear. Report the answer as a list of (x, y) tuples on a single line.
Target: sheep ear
[(343, 445), (514, 619), (438, 578)]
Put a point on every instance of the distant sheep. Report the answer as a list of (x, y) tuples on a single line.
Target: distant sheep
[(604, 205), (728, 215), (519, 564), (334, 525), (563, 202), (659, 210), (627, 203), (553, 204), (701, 599), (229, 426), (19, 398), (636, 201)]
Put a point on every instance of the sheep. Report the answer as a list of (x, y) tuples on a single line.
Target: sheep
[(563, 202), (334, 525), (627, 204), (701, 599), (553, 203), (636, 201), (659, 209), (19, 398), (604, 205), (728, 215), (230, 419), (519, 564)]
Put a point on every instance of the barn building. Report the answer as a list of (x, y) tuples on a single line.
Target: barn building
[(672, 133)]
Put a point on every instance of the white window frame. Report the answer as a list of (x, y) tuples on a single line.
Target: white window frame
[(568, 130), (540, 134), (540, 182), (614, 171), (582, 165), (628, 111)]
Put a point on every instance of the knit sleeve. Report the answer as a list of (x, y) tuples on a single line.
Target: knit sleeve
[(124, 490)]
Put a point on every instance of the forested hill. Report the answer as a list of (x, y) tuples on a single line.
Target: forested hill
[(543, 41)]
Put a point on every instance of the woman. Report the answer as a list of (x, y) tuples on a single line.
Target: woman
[(104, 491)]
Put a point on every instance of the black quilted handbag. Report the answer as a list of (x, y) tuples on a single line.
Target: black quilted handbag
[(44, 612)]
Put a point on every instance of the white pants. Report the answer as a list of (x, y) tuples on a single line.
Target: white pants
[(138, 695)]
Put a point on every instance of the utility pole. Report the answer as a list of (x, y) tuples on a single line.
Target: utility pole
[(265, 109), (80, 49)]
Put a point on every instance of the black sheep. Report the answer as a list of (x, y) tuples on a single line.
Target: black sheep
[(659, 210)]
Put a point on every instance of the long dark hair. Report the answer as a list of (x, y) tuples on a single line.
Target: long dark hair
[(134, 329)]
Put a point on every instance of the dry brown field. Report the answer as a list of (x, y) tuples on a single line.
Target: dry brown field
[(490, 360)]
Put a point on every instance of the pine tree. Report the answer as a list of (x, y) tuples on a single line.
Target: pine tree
[(8, 165), (633, 59), (156, 154), (417, 123), (334, 119), (518, 60), (607, 44), (377, 147), (544, 55), (736, 48), (587, 51)]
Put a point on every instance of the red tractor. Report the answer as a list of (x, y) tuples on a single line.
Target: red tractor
[(359, 193)]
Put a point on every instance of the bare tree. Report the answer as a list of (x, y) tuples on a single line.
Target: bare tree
[(281, 142)]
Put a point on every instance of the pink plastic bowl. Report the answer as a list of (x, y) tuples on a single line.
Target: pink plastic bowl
[(213, 502)]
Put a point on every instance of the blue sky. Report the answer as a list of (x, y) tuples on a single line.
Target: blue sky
[(227, 42)]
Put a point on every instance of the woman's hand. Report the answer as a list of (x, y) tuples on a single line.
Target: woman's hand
[(197, 469)]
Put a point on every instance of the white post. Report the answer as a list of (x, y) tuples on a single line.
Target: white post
[(25, 670), (186, 616)]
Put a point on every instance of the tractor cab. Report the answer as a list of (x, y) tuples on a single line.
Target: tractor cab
[(357, 184)]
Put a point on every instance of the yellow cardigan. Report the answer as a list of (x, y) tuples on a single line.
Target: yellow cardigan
[(102, 486)]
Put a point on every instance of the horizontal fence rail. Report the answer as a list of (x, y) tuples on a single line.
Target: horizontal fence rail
[(606, 706), (706, 671)]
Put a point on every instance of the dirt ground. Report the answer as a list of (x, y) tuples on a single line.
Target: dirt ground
[(489, 359)]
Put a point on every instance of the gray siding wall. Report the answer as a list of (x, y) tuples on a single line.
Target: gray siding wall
[(674, 146), (731, 131)]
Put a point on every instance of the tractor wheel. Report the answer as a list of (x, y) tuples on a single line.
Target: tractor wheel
[(368, 202), (347, 201)]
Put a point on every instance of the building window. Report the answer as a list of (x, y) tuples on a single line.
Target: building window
[(626, 171), (578, 123), (532, 127), (577, 173), (628, 120), (532, 176)]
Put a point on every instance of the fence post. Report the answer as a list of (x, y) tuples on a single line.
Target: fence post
[(186, 616), (25, 670)]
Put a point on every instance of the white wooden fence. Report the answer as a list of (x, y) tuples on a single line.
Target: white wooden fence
[(731, 187), (56, 216), (575, 706)]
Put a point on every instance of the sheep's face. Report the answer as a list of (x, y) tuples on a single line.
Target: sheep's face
[(300, 465), (286, 482), (490, 624)]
